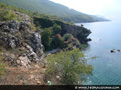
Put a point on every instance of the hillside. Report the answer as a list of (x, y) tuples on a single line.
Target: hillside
[(26, 41), (51, 8)]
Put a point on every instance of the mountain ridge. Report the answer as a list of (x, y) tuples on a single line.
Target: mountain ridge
[(55, 9)]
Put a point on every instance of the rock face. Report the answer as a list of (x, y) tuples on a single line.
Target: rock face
[(22, 40), (37, 44), (78, 32), (32, 55), (18, 37), (13, 26), (10, 41)]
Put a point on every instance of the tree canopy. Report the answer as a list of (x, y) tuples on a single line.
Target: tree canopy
[(70, 66)]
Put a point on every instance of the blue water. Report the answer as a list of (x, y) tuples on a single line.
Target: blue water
[(107, 66)]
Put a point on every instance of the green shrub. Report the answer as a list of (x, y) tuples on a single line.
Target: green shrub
[(57, 42), (56, 29), (7, 15), (71, 66), (46, 38), (67, 36), (77, 42)]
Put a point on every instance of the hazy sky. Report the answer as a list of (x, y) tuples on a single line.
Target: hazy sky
[(110, 9)]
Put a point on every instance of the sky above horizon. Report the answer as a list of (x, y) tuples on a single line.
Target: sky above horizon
[(110, 9)]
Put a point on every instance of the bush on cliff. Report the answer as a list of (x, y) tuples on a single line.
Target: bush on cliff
[(70, 66), (7, 15), (67, 36)]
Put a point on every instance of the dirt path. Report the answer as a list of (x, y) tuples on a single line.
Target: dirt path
[(23, 76)]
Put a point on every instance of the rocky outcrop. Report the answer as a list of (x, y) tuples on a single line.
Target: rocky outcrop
[(37, 44), (23, 61), (13, 26), (79, 32), (9, 40), (19, 39), (112, 51), (32, 55), (118, 50)]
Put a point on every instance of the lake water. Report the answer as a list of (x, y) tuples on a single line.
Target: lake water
[(107, 66)]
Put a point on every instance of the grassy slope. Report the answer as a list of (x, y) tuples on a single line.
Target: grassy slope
[(48, 7), (42, 6)]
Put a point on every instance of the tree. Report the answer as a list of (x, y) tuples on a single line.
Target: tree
[(46, 38), (57, 42), (56, 29), (70, 66), (67, 36)]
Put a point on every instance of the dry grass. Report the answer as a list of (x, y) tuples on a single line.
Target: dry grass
[(23, 76)]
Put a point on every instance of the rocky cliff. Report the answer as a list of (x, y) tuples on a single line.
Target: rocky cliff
[(79, 32), (24, 36), (23, 45)]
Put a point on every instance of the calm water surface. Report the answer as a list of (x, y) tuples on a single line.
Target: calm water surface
[(107, 66)]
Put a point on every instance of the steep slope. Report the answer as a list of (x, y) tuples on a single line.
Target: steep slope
[(23, 39), (51, 8)]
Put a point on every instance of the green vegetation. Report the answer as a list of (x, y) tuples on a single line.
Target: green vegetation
[(49, 8), (30, 13), (52, 35), (70, 66), (46, 38), (56, 29), (51, 39), (67, 36), (2, 65), (84, 46), (7, 15), (50, 29)]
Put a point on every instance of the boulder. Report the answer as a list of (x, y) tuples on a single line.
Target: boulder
[(23, 61), (118, 50), (2, 23), (10, 41), (112, 51), (32, 55), (6, 27), (23, 26), (14, 26)]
